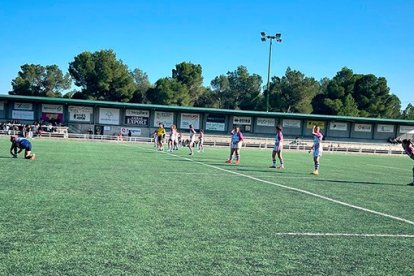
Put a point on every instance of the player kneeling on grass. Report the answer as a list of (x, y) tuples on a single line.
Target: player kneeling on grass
[(22, 144), (277, 149), (409, 150), (317, 148), (235, 145)]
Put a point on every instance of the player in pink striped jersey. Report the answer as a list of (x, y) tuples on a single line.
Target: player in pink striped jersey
[(409, 150)]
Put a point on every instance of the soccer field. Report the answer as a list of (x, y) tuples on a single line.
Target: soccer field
[(98, 208)]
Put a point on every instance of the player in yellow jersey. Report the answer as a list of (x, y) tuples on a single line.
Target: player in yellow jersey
[(160, 136)]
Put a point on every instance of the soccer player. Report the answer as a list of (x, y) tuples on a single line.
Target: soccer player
[(22, 144), (201, 141), (236, 143), (277, 149), (173, 138), (409, 150), (317, 148), (160, 136), (192, 139)]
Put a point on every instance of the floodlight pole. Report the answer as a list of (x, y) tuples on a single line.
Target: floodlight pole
[(268, 76), (270, 37)]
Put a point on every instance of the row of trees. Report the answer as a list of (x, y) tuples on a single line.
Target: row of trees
[(101, 76)]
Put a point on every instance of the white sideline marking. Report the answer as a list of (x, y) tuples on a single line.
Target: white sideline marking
[(297, 190), (344, 235)]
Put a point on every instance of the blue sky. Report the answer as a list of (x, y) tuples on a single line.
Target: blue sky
[(319, 37)]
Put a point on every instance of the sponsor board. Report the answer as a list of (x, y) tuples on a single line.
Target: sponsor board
[(188, 119), (237, 120), (138, 113), (23, 106), (52, 108), (363, 128), (338, 126), (80, 113), (385, 128), (165, 118), (109, 116), (22, 115), (291, 123), (269, 122)]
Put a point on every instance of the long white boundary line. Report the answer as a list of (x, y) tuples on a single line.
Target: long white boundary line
[(294, 189), (343, 235)]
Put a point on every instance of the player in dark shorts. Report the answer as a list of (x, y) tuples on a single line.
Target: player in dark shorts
[(409, 150), (19, 144)]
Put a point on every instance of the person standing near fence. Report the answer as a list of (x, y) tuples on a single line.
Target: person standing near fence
[(235, 145), (317, 148), (277, 149), (409, 150)]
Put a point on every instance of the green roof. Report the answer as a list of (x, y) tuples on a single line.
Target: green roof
[(205, 110)]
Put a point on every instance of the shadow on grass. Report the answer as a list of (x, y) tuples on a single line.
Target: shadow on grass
[(6, 157), (357, 182)]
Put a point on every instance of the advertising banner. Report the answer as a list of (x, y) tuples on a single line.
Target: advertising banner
[(52, 108), (311, 124), (166, 118), (109, 116), (22, 115), (291, 123), (134, 131), (188, 119), (80, 113), (363, 128), (52, 117), (385, 128), (405, 129), (242, 120), (23, 106), (137, 120), (338, 126), (215, 123), (269, 122), (138, 113)]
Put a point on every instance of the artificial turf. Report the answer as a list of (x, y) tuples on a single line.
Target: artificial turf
[(95, 208)]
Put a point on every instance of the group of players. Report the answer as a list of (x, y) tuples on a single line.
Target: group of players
[(237, 139), (174, 139), (18, 144)]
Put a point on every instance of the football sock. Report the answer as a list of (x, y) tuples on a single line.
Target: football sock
[(237, 157), (274, 162), (281, 161), (316, 166)]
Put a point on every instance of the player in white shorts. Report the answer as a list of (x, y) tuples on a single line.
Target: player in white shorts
[(192, 139), (317, 148), (201, 141)]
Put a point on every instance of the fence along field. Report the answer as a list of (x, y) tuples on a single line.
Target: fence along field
[(111, 208)]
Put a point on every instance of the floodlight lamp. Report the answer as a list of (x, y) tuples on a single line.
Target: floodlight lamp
[(278, 36), (279, 40), (263, 39), (263, 34)]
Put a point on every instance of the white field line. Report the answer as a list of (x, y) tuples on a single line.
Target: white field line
[(344, 235), (294, 189)]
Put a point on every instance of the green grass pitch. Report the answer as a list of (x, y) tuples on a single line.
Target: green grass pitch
[(99, 208)]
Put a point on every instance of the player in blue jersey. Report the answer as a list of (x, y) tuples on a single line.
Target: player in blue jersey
[(317, 148), (277, 149), (235, 145), (19, 144)]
